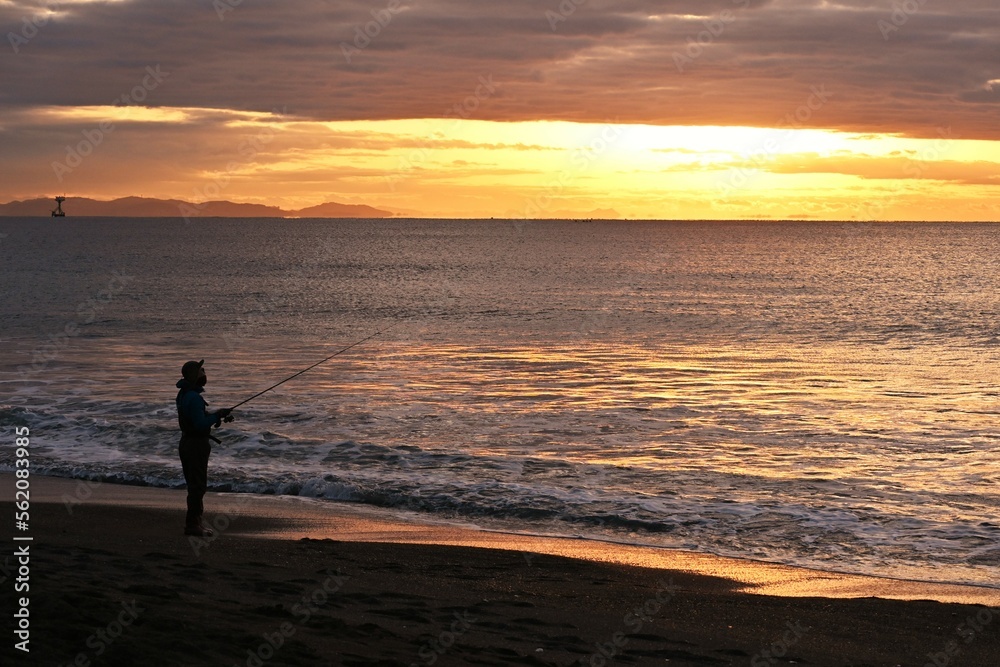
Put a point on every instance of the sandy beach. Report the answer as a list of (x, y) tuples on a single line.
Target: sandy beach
[(292, 582)]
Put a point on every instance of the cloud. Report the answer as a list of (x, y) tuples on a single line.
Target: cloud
[(886, 168), (325, 83), (751, 63)]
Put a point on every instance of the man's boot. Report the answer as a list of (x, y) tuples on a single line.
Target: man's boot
[(205, 529), (196, 527)]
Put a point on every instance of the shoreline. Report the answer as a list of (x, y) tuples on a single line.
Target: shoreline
[(284, 582), (295, 518)]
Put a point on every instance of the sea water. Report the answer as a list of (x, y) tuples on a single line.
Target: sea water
[(820, 394)]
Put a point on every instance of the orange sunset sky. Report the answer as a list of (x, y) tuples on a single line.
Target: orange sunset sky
[(690, 109)]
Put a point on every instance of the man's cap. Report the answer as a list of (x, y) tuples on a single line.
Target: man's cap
[(191, 368)]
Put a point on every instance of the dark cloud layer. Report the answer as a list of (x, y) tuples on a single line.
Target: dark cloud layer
[(591, 60)]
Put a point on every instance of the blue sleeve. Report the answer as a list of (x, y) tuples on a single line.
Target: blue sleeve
[(193, 406)]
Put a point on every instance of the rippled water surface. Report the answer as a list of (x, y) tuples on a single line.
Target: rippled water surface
[(818, 394)]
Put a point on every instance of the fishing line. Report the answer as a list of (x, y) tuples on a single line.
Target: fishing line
[(338, 352)]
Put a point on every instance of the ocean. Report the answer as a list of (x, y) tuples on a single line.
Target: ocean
[(817, 394)]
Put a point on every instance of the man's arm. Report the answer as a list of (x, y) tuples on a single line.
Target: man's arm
[(197, 416)]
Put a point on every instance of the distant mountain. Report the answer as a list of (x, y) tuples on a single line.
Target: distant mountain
[(334, 210), (142, 207)]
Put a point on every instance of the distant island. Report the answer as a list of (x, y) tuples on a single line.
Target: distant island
[(142, 207), (147, 207)]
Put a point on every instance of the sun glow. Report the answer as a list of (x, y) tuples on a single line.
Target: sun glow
[(470, 168), (551, 168), (115, 114)]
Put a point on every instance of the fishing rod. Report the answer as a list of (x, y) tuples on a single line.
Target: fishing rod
[(261, 393)]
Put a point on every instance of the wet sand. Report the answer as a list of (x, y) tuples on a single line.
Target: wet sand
[(291, 582)]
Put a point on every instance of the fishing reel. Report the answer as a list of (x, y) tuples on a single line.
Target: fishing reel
[(228, 419)]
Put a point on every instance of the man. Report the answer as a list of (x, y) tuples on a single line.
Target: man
[(196, 428)]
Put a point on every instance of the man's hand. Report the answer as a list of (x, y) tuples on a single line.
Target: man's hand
[(226, 414)]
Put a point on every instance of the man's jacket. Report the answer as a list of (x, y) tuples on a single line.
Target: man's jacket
[(192, 413)]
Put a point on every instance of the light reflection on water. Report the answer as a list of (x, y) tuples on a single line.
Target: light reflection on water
[(691, 386)]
